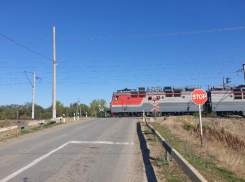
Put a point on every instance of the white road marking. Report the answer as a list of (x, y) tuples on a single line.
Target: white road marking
[(102, 142), (32, 164), (55, 150)]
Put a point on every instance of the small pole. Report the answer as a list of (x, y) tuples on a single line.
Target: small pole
[(155, 110), (77, 116), (80, 110), (17, 114), (143, 116), (223, 82), (166, 155), (77, 108), (74, 116), (86, 114), (200, 123), (64, 119)]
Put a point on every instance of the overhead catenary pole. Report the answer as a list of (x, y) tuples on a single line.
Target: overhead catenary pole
[(54, 76), (33, 93), (33, 96), (244, 71), (78, 105), (223, 82)]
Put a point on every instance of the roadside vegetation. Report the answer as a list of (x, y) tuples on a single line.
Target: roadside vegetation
[(30, 130), (165, 170), (223, 156), (24, 111)]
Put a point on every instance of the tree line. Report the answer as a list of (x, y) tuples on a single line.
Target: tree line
[(97, 108)]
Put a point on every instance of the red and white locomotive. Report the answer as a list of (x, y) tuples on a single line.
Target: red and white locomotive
[(176, 100), (129, 102)]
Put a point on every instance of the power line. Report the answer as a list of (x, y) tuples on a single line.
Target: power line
[(17, 91), (182, 65), (122, 81), (28, 78), (136, 36), (113, 57), (25, 47)]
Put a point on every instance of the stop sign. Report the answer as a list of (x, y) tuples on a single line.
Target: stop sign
[(199, 96)]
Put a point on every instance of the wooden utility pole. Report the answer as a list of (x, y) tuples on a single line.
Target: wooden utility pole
[(54, 76), (33, 96)]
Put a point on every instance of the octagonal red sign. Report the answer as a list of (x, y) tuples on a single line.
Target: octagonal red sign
[(199, 96)]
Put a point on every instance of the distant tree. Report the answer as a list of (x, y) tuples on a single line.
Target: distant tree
[(72, 110), (39, 112), (66, 111), (25, 110), (59, 109), (96, 105), (84, 109)]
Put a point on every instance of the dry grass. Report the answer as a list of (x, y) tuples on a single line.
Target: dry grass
[(226, 155), (164, 170), (227, 138)]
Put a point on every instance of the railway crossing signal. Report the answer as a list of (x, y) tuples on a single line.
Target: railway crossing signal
[(155, 107), (199, 97)]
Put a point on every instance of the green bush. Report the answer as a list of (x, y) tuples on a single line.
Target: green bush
[(4, 123), (188, 126)]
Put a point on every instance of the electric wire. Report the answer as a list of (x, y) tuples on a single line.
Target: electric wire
[(135, 36), (25, 47)]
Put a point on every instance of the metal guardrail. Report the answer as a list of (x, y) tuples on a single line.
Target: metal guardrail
[(36, 122), (189, 170)]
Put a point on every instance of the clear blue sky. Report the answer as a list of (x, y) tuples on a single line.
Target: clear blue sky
[(140, 44)]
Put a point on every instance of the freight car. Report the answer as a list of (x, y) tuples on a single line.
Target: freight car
[(177, 101)]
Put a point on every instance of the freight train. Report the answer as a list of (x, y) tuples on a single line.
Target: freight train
[(177, 101)]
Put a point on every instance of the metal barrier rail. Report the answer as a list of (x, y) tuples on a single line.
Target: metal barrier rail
[(23, 126), (189, 170)]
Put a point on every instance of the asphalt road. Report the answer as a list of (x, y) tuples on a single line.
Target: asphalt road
[(103, 149)]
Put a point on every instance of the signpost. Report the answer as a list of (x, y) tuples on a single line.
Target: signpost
[(199, 97)]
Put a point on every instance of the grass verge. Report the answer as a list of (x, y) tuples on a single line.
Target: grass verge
[(30, 130), (208, 168), (166, 170)]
